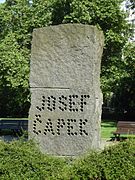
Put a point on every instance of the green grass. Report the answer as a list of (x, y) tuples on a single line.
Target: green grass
[(107, 128)]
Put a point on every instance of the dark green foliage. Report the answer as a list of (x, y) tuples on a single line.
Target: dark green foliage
[(115, 162), (125, 98), (125, 91), (119, 161), (22, 160), (14, 74), (17, 20), (14, 101), (60, 10)]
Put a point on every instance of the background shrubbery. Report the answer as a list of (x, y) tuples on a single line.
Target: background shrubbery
[(21, 160)]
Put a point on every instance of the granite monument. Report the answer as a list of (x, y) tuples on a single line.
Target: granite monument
[(66, 98)]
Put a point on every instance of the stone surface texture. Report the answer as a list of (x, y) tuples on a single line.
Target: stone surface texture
[(66, 98)]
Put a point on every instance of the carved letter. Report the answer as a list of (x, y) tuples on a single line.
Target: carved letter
[(81, 124), (49, 127), (35, 124), (62, 101)]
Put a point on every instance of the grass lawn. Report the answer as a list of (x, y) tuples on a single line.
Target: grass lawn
[(107, 127)]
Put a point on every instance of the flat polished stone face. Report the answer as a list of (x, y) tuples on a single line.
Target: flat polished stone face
[(66, 98)]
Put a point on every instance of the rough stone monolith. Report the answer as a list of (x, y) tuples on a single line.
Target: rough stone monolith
[(66, 98)]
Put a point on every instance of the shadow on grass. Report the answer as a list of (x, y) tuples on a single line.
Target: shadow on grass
[(108, 123)]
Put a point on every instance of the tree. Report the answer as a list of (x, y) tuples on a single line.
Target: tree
[(18, 18), (21, 17), (125, 92), (14, 73)]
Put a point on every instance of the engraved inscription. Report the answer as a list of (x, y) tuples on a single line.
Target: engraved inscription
[(71, 126), (55, 128), (71, 103)]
